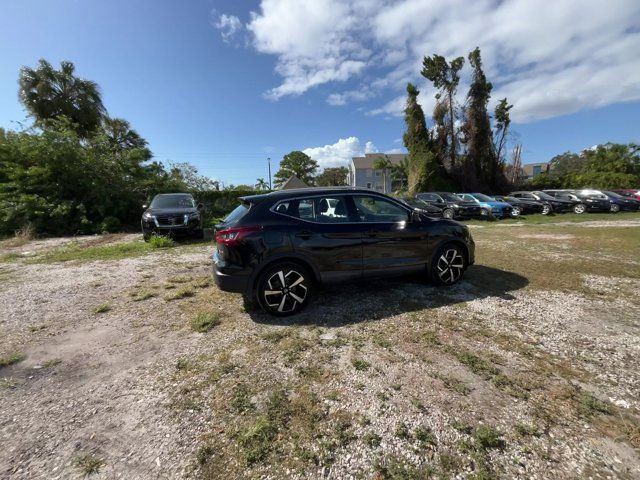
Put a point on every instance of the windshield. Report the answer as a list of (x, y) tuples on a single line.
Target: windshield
[(173, 201), (544, 196), (482, 197), (451, 197), (416, 203)]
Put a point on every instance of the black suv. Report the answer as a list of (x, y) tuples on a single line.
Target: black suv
[(172, 214), (451, 204), (275, 247)]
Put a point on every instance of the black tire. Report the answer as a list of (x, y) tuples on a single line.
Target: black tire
[(448, 213), (447, 267), (579, 208), (146, 236), (288, 299), (615, 208), (516, 211), (546, 210)]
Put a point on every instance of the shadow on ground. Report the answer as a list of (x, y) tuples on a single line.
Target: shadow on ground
[(346, 304)]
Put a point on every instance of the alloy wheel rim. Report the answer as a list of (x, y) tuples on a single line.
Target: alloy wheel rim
[(546, 209), (580, 208), (285, 291), (515, 212), (447, 213), (450, 265)]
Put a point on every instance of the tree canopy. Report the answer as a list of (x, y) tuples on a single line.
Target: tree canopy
[(296, 163)]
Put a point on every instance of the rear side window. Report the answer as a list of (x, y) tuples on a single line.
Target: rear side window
[(325, 209), (432, 197), (239, 212)]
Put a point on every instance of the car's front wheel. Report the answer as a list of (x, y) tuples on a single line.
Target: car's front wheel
[(615, 208), (448, 265), (448, 213), (579, 208), (546, 209), (284, 289), (516, 211)]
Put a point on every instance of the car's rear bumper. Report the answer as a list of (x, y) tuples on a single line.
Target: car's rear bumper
[(226, 278)]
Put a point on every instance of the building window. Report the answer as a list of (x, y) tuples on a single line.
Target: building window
[(369, 172), (368, 184), (378, 173)]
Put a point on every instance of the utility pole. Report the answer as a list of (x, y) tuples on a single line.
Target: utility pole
[(269, 162)]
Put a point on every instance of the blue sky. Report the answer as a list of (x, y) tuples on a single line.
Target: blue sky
[(226, 84)]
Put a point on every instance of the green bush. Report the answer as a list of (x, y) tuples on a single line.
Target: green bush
[(110, 225), (159, 241)]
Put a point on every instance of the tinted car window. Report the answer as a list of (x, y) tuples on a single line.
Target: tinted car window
[(379, 210), (329, 209)]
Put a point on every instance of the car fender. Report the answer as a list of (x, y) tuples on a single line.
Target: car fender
[(284, 256)]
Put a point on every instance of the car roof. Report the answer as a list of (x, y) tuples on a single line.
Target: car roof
[(172, 194), (298, 192)]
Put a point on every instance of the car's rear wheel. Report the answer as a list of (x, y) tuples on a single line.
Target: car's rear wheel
[(448, 213), (516, 211), (546, 209), (615, 208), (448, 265), (579, 208), (284, 289)]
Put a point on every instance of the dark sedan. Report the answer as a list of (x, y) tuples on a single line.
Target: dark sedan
[(558, 205), (174, 214), (587, 201), (276, 247), (427, 209), (522, 206), (459, 208), (620, 203)]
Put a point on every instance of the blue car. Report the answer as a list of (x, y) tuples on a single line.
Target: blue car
[(490, 206)]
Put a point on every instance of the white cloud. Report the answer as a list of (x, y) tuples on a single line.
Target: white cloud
[(340, 153), (549, 59), (228, 25)]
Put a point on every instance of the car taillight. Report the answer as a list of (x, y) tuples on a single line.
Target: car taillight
[(231, 236)]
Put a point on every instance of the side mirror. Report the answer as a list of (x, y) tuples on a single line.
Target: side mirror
[(414, 217), (145, 206), (200, 206)]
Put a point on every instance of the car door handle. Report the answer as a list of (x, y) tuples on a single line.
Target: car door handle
[(304, 234)]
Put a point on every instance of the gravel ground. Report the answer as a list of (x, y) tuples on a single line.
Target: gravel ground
[(383, 380)]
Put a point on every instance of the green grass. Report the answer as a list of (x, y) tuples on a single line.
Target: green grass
[(158, 241), (486, 438), (539, 219), (372, 439), (11, 359), (589, 405), (360, 364), (184, 292), (203, 322), (88, 464), (116, 251), (143, 294), (105, 307)]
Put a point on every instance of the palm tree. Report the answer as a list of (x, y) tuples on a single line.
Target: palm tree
[(261, 184), (120, 134), (383, 163), (48, 94)]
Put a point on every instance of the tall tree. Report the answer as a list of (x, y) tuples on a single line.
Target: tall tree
[(48, 94), (479, 163), (296, 163), (445, 77), (332, 177), (424, 171), (503, 120), (261, 184), (383, 163), (121, 136)]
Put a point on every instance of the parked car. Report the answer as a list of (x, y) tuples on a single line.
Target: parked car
[(490, 206), (558, 204), (175, 214), (460, 208), (428, 209), (522, 206), (628, 192), (618, 202), (590, 201), (276, 247)]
